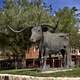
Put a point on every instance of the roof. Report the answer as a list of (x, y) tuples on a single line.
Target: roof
[(32, 53)]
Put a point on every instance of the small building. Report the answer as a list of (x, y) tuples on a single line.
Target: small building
[(55, 60), (33, 61), (32, 57), (76, 57)]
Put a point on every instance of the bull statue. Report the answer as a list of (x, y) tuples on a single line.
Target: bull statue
[(51, 42)]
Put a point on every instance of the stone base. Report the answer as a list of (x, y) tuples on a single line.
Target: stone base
[(23, 77)]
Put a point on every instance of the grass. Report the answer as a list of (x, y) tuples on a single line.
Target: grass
[(34, 72), (73, 73), (31, 72)]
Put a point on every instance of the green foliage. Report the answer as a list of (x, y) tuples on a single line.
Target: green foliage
[(20, 15), (66, 20), (75, 40), (4, 41), (66, 24)]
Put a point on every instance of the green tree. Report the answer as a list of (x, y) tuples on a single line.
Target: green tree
[(66, 20), (14, 18), (66, 23)]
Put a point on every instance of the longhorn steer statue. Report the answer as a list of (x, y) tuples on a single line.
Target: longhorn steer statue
[(51, 42)]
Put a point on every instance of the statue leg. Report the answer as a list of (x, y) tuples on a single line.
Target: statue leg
[(40, 59), (68, 58), (45, 60), (63, 52)]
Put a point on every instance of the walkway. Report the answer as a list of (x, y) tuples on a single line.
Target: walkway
[(56, 70)]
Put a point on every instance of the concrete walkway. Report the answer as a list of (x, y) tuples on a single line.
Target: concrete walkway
[(56, 70)]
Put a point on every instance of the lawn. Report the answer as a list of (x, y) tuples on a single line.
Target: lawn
[(34, 72)]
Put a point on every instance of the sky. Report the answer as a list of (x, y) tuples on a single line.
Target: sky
[(1, 3), (56, 4)]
